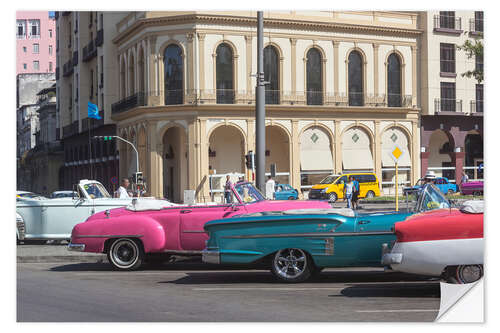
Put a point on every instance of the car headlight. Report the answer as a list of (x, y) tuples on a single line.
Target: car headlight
[(323, 190)]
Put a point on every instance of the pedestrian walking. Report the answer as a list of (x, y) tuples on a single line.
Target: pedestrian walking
[(348, 191), (465, 178), (122, 190), (227, 190), (270, 188), (355, 194)]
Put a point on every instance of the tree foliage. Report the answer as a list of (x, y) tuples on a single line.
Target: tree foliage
[(474, 48)]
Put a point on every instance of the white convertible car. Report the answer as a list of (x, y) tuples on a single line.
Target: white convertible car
[(53, 219)]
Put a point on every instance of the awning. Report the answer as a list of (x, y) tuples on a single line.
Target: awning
[(357, 159), (387, 160), (316, 160)]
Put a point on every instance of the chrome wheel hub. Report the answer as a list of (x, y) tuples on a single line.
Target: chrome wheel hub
[(125, 253), (290, 263)]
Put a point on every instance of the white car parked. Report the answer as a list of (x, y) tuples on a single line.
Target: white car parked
[(53, 219)]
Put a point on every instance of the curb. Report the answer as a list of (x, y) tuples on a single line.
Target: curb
[(58, 259)]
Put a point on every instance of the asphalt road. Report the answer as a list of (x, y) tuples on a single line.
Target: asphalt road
[(189, 291)]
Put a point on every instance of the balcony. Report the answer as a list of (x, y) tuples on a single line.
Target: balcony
[(75, 58), (68, 68), (94, 123), (89, 51), (70, 129), (476, 27), (99, 40), (447, 105), (128, 103), (477, 107), (448, 24)]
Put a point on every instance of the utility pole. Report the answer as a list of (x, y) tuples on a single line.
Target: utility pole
[(260, 111)]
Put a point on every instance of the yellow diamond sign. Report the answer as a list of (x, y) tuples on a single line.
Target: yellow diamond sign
[(397, 153)]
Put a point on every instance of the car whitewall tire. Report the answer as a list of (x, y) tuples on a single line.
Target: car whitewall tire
[(125, 254)]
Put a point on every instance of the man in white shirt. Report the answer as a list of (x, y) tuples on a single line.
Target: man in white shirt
[(270, 188), (122, 190)]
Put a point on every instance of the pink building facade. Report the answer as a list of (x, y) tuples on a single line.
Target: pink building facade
[(36, 42)]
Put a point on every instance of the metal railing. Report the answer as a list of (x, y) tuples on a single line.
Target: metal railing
[(447, 104), (89, 51), (476, 25), (137, 99), (99, 40), (94, 123), (476, 106), (442, 22), (68, 68), (225, 96)]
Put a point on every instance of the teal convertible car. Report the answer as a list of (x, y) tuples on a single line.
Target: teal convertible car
[(295, 244)]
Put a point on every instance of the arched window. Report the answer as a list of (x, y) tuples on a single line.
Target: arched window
[(314, 78), (174, 75), (131, 74), (224, 74), (393, 81), (271, 75), (123, 80), (355, 69)]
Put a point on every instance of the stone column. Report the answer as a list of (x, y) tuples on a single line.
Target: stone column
[(293, 55), (201, 59), (192, 160), (415, 175), (204, 194), (458, 158), (338, 148), (248, 44), (376, 91), (424, 162), (295, 157), (378, 153), (335, 68), (414, 50), (190, 65)]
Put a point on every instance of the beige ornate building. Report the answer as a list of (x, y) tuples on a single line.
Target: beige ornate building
[(342, 91)]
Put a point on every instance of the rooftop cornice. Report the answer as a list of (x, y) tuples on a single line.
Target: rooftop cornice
[(268, 23)]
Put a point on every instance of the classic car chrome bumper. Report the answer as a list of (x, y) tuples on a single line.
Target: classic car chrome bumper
[(76, 247), (211, 256), (392, 258)]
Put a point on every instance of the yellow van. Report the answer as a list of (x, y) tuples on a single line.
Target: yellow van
[(332, 186)]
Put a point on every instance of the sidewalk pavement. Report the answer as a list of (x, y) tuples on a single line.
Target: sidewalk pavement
[(49, 253)]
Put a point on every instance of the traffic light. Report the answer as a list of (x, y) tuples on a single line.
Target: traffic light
[(105, 138), (249, 160)]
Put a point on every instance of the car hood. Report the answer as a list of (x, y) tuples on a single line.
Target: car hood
[(320, 186)]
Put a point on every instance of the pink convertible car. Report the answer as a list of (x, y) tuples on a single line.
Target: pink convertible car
[(148, 229)]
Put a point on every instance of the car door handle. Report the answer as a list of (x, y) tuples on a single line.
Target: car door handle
[(364, 222), (185, 211)]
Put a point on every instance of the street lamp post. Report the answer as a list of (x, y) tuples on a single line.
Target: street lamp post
[(109, 137)]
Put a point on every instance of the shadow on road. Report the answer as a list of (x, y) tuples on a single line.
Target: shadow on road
[(258, 276), (406, 290)]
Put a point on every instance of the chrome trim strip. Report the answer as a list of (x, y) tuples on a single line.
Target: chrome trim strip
[(194, 231), (392, 258), (183, 252), (106, 236), (318, 234)]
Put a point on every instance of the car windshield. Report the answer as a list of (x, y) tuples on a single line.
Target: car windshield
[(248, 193), (431, 198), (329, 179), (96, 190)]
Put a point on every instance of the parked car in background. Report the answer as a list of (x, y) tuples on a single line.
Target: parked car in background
[(53, 219), (285, 192), (331, 188), (442, 183), (63, 194), (447, 243), (472, 188), (28, 195), (295, 244)]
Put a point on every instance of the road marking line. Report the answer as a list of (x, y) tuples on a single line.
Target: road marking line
[(266, 289), (411, 310)]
